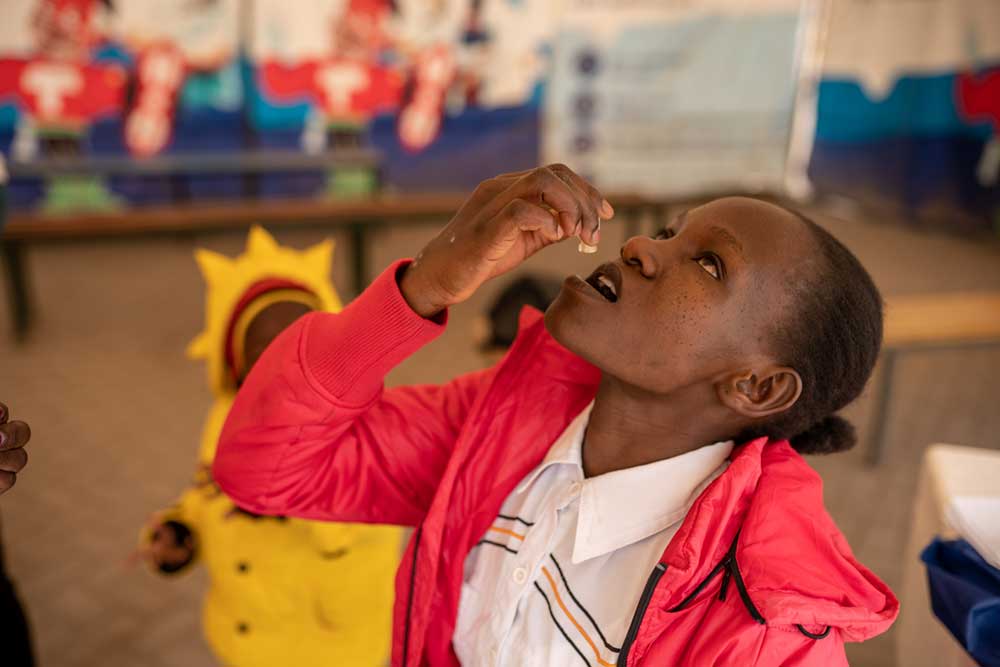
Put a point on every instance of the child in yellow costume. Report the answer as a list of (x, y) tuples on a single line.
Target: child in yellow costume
[(283, 591)]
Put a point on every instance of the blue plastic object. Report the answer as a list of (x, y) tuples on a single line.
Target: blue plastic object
[(965, 596)]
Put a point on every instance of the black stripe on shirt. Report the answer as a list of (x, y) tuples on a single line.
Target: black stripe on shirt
[(496, 544), (516, 518), (561, 631), (582, 608)]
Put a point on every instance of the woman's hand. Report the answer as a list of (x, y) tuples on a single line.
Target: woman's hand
[(506, 220)]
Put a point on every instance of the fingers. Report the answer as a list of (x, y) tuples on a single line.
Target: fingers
[(543, 186), (13, 460), (578, 206), (14, 434), (602, 205), (524, 216), (529, 186), (558, 188), (513, 175), (587, 192), (490, 188)]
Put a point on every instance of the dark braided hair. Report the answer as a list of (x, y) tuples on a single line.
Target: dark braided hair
[(833, 341)]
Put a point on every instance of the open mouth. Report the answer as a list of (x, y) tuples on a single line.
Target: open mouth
[(607, 280)]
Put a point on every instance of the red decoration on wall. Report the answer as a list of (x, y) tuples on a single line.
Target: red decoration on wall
[(63, 93)]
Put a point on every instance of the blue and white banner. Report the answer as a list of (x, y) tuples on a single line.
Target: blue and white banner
[(674, 98), (908, 106)]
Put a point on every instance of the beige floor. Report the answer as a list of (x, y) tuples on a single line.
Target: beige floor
[(116, 411)]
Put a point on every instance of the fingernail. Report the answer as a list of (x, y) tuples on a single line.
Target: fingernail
[(607, 209), (576, 228), (596, 236), (559, 232)]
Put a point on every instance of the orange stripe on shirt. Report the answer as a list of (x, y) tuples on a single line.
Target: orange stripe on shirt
[(579, 627), (508, 532)]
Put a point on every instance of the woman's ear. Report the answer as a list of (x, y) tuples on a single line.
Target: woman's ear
[(760, 393)]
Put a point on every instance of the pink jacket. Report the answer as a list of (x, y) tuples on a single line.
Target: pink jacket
[(758, 574)]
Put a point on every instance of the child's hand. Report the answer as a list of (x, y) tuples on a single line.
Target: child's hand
[(164, 548), (14, 435), (505, 221)]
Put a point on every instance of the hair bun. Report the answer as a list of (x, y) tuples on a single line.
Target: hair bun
[(827, 436)]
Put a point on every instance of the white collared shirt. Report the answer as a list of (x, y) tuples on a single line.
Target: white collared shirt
[(558, 575)]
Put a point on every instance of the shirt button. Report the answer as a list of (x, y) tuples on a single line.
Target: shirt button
[(520, 575)]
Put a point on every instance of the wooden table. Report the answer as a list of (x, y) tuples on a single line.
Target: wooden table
[(929, 321), (358, 216)]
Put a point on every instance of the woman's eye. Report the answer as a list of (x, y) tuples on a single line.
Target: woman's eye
[(664, 234), (711, 265)]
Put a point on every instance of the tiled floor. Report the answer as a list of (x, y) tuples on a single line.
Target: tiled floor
[(116, 412)]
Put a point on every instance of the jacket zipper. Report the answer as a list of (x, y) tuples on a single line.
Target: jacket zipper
[(640, 611), (409, 603)]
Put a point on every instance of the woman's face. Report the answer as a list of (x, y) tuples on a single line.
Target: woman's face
[(696, 301)]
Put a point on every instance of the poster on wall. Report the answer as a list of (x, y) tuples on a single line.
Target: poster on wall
[(129, 78), (674, 98), (447, 92), (908, 108), (660, 97)]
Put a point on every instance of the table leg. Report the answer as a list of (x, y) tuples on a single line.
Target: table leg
[(876, 450), (17, 287), (359, 256)]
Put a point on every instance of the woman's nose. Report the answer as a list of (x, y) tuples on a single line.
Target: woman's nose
[(639, 252)]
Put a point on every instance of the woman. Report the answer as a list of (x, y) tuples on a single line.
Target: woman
[(625, 487)]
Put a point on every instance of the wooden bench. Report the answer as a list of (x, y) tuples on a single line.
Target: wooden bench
[(929, 321)]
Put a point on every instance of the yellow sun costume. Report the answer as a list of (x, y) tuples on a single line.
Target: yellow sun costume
[(282, 591)]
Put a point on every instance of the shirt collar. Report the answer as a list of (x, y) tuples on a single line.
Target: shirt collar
[(625, 506)]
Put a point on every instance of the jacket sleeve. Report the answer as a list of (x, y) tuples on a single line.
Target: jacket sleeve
[(788, 647), (314, 434)]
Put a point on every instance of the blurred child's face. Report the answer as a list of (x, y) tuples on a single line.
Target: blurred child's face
[(692, 304), (266, 326)]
